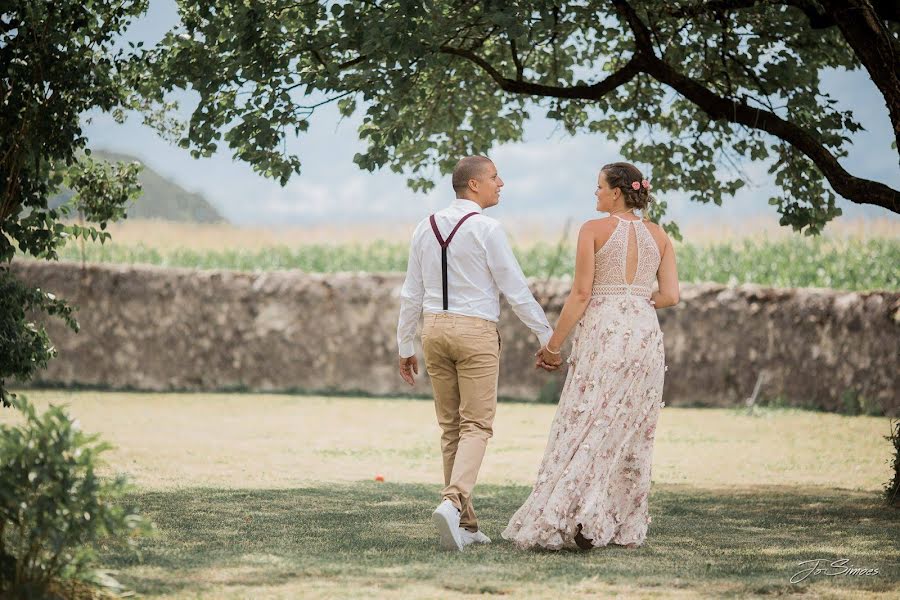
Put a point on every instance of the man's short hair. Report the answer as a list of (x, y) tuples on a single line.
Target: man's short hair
[(470, 167)]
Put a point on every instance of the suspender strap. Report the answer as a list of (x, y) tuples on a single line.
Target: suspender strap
[(444, 244)]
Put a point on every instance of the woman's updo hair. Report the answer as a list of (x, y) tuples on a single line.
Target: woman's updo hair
[(622, 175)]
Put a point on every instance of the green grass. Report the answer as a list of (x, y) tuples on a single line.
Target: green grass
[(270, 496), (374, 540), (848, 264)]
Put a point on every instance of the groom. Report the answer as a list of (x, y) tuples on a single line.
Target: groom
[(459, 262)]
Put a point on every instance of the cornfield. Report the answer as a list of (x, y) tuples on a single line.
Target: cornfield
[(798, 261)]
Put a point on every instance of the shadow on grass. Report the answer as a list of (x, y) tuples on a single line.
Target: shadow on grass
[(743, 541)]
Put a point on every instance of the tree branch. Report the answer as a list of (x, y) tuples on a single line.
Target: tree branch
[(855, 189), (583, 92), (339, 67), (859, 22), (887, 10), (515, 56), (876, 49)]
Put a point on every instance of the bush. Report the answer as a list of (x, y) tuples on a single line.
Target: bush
[(54, 508), (892, 489), (24, 346)]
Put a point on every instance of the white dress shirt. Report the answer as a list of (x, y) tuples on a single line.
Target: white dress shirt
[(480, 265)]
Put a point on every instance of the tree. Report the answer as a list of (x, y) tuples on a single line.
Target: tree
[(56, 63), (691, 88)]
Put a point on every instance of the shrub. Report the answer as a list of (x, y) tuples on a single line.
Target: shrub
[(54, 508), (892, 489), (24, 346)]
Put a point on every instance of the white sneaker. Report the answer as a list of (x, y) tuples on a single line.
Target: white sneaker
[(446, 518), (469, 537)]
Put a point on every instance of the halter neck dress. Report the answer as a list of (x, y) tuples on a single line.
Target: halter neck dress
[(596, 467)]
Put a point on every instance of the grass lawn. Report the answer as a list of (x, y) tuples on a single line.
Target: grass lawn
[(271, 496)]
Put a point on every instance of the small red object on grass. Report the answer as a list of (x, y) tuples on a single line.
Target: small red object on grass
[(379, 477)]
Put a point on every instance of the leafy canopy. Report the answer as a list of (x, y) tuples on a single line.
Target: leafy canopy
[(57, 62), (692, 89)]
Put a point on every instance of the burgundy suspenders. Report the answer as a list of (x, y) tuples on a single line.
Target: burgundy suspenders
[(444, 245)]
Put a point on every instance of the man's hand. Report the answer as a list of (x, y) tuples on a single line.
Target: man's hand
[(408, 366)]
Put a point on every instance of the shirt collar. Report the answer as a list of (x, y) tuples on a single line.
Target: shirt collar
[(467, 204)]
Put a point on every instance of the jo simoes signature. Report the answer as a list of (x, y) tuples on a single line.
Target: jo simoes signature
[(835, 567)]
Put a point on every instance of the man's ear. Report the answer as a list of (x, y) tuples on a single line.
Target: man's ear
[(473, 185)]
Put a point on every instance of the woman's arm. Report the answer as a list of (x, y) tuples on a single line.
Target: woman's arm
[(580, 295), (667, 277)]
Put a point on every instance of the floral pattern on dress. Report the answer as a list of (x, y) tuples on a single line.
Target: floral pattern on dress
[(596, 466)]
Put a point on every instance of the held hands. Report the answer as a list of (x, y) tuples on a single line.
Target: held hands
[(408, 366), (547, 360)]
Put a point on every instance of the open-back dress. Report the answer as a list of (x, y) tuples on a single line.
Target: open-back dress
[(596, 467)]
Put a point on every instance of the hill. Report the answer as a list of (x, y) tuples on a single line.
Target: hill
[(161, 198)]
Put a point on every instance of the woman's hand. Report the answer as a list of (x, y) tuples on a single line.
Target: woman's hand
[(548, 360)]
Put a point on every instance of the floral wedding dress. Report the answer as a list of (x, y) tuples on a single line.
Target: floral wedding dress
[(595, 472)]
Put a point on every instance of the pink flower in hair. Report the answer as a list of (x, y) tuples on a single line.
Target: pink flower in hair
[(635, 185), (646, 184)]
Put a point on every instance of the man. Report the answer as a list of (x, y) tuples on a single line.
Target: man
[(459, 262)]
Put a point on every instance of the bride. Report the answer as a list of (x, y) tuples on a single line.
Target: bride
[(593, 483)]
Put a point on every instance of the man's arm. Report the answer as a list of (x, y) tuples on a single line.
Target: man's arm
[(411, 295), (511, 281)]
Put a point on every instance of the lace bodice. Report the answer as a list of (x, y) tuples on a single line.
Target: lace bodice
[(611, 260)]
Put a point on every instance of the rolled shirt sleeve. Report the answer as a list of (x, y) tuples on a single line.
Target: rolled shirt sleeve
[(411, 295), (511, 281)]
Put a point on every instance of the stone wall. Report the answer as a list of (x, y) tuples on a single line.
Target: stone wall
[(162, 329)]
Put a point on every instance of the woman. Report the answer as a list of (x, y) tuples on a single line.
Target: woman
[(594, 480)]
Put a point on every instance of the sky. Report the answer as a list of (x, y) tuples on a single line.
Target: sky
[(549, 176)]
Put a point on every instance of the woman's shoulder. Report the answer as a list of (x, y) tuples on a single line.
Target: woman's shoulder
[(599, 230), (659, 234), (600, 224), (654, 228)]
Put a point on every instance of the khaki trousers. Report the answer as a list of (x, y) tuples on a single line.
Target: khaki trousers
[(462, 358)]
